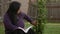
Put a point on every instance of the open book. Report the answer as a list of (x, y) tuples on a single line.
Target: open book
[(26, 30)]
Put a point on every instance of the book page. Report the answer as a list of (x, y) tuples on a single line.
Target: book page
[(26, 30)]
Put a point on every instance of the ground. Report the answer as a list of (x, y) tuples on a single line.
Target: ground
[(1, 29), (50, 28)]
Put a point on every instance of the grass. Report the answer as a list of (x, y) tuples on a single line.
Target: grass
[(1, 29), (50, 28)]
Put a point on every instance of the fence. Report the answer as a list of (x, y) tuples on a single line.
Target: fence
[(32, 10), (3, 7), (53, 7)]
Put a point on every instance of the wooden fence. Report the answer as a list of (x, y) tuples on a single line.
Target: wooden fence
[(53, 8)]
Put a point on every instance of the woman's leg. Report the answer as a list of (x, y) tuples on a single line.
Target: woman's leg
[(31, 31), (21, 32), (14, 32), (18, 31)]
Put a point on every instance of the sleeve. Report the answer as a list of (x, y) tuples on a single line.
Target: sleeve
[(8, 23), (28, 18)]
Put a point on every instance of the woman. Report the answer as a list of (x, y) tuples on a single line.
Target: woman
[(13, 20)]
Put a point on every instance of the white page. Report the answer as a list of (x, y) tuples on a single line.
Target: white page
[(26, 30)]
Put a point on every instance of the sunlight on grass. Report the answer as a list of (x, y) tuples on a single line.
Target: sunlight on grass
[(27, 24)]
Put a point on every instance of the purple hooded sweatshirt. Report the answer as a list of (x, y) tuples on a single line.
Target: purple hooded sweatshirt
[(9, 27)]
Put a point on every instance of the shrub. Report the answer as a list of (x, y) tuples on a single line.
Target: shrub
[(42, 12)]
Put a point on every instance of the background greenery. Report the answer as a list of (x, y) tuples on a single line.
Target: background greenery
[(42, 16)]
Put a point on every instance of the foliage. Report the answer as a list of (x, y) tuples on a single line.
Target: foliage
[(42, 12)]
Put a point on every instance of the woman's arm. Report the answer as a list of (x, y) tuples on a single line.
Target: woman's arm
[(33, 22)]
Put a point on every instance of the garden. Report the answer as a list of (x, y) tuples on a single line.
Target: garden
[(43, 26)]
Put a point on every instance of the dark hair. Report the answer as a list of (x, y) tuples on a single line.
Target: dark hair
[(12, 11)]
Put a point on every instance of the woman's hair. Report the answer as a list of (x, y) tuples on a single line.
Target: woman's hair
[(12, 11)]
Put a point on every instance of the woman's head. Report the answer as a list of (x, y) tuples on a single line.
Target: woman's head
[(12, 11), (14, 7)]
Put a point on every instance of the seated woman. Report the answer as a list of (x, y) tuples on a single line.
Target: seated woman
[(14, 19)]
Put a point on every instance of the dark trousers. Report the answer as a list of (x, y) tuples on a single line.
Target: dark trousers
[(31, 32), (21, 32)]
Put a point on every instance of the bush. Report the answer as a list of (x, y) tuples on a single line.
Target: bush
[(42, 12)]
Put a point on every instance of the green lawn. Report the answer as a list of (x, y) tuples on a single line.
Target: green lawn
[(52, 28), (1, 29), (49, 28)]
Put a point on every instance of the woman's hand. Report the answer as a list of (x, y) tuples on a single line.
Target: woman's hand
[(34, 23)]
